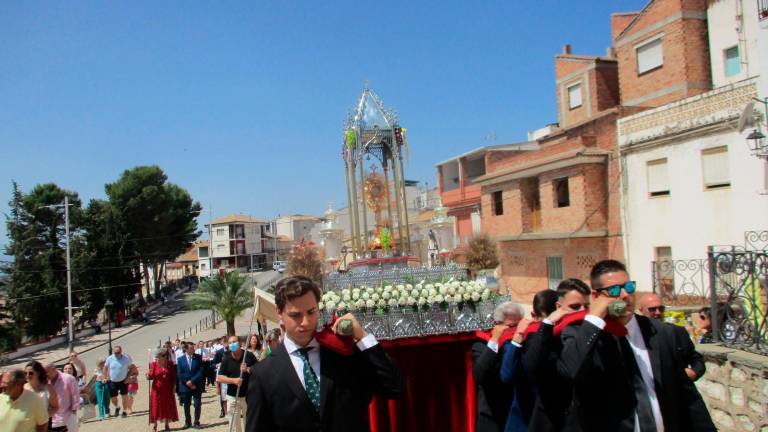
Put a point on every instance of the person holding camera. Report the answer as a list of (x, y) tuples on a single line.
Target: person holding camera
[(309, 385), (625, 374)]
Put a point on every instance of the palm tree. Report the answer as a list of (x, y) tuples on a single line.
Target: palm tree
[(227, 295)]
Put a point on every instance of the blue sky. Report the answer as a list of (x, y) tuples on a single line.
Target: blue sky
[(243, 103)]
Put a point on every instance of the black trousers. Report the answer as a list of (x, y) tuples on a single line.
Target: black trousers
[(188, 399)]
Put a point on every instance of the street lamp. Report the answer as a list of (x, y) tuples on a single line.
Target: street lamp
[(757, 144), (108, 306), (755, 139)]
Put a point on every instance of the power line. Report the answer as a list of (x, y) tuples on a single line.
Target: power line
[(74, 291)]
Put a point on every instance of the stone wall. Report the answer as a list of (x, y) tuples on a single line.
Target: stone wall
[(735, 388)]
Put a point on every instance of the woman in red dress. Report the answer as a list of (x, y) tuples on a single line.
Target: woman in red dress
[(162, 404)]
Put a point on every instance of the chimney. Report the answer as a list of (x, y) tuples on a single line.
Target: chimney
[(610, 52), (567, 49)]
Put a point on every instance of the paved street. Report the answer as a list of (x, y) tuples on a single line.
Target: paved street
[(137, 341)]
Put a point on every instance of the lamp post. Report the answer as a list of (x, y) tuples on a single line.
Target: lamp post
[(108, 306)]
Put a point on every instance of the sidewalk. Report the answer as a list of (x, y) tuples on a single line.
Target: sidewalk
[(59, 353)]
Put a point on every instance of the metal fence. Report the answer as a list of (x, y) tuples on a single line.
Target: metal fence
[(739, 316), (337, 281), (682, 282)]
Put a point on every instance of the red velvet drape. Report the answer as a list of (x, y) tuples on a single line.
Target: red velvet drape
[(440, 390)]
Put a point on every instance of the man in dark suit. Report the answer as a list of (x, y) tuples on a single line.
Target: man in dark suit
[(625, 374), (651, 307), (190, 370), (541, 351), (305, 386), (493, 397)]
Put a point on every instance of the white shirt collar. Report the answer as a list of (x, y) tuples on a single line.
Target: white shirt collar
[(633, 329), (291, 346)]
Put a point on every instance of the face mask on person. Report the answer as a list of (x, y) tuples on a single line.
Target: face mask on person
[(234, 346)]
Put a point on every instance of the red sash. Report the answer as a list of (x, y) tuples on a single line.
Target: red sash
[(611, 326), (328, 339), (506, 336)]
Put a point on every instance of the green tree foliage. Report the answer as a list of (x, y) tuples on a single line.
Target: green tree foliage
[(105, 259), (9, 333), (304, 260), (481, 253), (228, 295), (157, 218), (38, 285)]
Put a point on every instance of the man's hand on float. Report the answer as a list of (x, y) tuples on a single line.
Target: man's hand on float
[(600, 304), (358, 332), (497, 331), (521, 326), (559, 313)]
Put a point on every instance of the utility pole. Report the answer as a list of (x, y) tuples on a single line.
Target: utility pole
[(70, 327), (210, 254), (69, 278)]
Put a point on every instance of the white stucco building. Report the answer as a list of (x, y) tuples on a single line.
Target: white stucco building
[(296, 227), (238, 242), (689, 179)]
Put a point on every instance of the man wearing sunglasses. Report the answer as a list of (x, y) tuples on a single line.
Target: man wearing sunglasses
[(651, 306), (625, 373)]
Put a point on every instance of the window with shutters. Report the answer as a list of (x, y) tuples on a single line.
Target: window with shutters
[(650, 56), (658, 179), (715, 171), (574, 96), (554, 271)]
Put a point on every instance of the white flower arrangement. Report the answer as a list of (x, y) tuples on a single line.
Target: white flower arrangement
[(421, 295)]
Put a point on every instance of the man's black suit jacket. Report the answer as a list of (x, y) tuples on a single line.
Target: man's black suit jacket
[(687, 351), (493, 396), (603, 396), (541, 351), (277, 402)]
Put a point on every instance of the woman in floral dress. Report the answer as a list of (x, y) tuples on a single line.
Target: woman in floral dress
[(162, 404)]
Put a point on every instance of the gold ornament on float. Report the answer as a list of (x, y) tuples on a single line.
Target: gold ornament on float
[(375, 191)]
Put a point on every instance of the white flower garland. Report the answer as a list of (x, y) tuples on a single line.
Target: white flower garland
[(419, 296)]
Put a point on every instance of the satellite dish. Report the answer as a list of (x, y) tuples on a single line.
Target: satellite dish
[(747, 117)]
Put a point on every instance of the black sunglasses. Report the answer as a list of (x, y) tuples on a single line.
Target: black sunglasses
[(661, 308)]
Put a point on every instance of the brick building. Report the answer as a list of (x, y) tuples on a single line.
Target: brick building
[(460, 194), (554, 211), (653, 48), (690, 180)]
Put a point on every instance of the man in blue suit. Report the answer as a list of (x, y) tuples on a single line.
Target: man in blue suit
[(190, 370)]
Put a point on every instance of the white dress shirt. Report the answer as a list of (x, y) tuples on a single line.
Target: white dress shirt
[(314, 354), (636, 341)]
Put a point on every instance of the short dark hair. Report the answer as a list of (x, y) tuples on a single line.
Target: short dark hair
[(544, 303), (17, 376), (568, 285), (603, 267), (293, 287)]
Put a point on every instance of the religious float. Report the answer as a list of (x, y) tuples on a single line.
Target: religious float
[(426, 315)]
